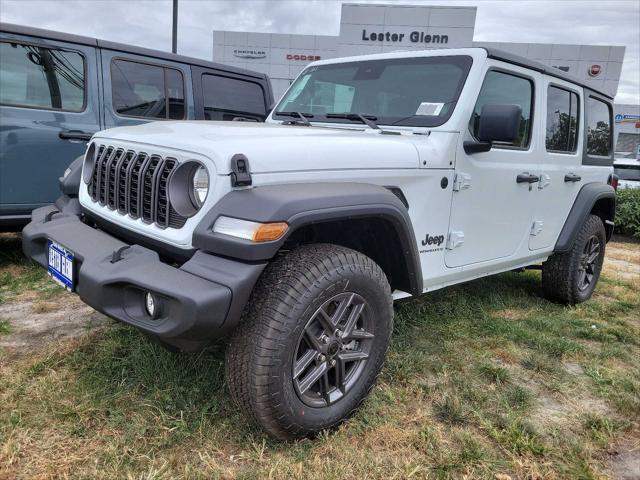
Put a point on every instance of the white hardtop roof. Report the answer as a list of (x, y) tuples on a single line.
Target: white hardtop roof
[(626, 161), (433, 52)]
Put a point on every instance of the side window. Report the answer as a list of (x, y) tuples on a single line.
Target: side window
[(598, 127), (506, 89), (227, 98), (143, 90), (38, 77), (562, 120)]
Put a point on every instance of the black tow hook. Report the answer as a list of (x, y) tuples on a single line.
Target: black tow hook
[(117, 254), (49, 216)]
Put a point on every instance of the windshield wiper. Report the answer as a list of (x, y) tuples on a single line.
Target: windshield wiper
[(366, 119), (301, 115)]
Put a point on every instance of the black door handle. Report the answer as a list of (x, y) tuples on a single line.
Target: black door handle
[(572, 177), (75, 135), (527, 177)]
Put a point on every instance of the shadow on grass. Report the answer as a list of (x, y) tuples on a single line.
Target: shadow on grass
[(617, 238), (11, 250)]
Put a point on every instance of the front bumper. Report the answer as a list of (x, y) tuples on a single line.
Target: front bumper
[(199, 300)]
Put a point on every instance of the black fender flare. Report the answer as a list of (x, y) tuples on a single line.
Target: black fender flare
[(304, 204), (587, 197)]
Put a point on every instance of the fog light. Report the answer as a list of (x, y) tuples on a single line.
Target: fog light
[(150, 304)]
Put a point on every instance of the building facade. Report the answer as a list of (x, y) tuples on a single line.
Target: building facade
[(366, 29)]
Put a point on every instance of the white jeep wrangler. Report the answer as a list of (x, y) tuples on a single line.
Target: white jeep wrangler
[(374, 178)]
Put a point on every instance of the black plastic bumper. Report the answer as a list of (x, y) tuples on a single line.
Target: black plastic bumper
[(199, 301)]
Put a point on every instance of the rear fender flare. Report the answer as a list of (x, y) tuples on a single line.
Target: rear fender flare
[(587, 197)]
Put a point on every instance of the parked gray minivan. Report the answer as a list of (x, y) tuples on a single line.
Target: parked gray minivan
[(57, 90)]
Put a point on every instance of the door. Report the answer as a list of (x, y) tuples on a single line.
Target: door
[(560, 167), (491, 211), (49, 107), (139, 89)]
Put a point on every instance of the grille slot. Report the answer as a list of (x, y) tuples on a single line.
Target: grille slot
[(135, 184)]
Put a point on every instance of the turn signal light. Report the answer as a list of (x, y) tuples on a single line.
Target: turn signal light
[(268, 232), (248, 230)]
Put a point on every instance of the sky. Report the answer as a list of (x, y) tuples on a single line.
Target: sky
[(147, 23)]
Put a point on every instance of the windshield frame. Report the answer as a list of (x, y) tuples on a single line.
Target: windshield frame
[(464, 61)]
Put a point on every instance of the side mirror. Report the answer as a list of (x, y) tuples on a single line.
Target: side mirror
[(498, 123)]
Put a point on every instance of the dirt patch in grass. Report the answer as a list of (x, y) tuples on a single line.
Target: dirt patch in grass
[(624, 461), (622, 259), (37, 325), (35, 312)]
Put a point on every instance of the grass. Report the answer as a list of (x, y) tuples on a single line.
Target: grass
[(19, 277), (5, 328), (482, 380)]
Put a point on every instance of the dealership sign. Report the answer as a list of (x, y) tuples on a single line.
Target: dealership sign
[(414, 37), (249, 53), (620, 118)]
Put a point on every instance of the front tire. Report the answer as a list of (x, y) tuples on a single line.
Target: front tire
[(571, 277), (312, 340)]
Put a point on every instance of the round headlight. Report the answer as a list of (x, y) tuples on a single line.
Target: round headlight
[(199, 186), (188, 187)]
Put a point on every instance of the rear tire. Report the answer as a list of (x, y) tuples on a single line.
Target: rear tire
[(321, 311), (571, 277)]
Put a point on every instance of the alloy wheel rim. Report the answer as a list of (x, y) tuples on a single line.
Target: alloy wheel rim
[(332, 350), (588, 263)]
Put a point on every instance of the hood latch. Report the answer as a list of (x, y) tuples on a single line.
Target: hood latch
[(240, 173)]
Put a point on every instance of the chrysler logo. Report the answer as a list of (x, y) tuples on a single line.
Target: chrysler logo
[(249, 53), (594, 70)]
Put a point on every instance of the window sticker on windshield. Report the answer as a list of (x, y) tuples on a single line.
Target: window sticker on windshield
[(428, 108)]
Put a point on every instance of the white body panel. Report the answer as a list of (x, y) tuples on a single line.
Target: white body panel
[(494, 212)]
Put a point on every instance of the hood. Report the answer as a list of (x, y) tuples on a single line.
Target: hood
[(274, 147)]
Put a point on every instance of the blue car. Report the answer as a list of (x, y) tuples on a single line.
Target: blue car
[(57, 90)]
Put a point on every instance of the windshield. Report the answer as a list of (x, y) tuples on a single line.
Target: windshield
[(402, 91), (627, 172)]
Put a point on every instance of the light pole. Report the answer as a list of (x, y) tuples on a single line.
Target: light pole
[(174, 32)]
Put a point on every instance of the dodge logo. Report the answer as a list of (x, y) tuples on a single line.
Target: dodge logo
[(291, 56), (594, 70)]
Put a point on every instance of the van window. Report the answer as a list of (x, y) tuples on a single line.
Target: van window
[(227, 98), (38, 77), (598, 127), (506, 89), (150, 91), (562, 120), (627, 172)]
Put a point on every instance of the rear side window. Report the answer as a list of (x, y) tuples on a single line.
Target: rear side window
[(598, 128), (562, 120), (506, 89), (150, 91), (228, 98), (38, 77)]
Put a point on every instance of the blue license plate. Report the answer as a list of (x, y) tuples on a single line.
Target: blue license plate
[(60, 265)]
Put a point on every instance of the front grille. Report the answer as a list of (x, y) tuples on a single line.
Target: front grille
[(135, 184)]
